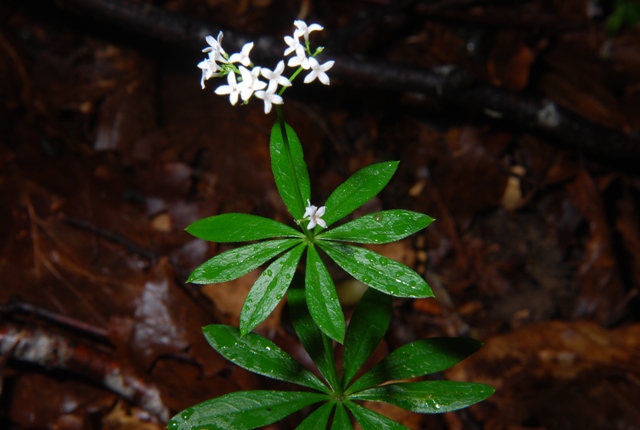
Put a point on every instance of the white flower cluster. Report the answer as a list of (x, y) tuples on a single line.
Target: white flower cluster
[(218, 63)]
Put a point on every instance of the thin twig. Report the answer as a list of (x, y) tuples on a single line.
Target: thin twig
[(82, 327), (110, 236), (194, 291)]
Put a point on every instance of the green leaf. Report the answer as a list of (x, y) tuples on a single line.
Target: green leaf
[(428, 397), (416, 359), (381, 227), (626, 14), (368, 325), (319, 419), (377, 271), (235, 227), (239, 261), (269, 289), (259, 355), (341, 420), (316, 343), (289, 169), (322, 297), (361, 187), (370, 420), (243, 410)]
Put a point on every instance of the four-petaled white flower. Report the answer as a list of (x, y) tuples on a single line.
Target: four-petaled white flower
[(269, 96), (233, 89), (318, 71), (293, 43), (242, 57), (314, 213), (209, 69), (304, 30), (215, 48), (250, 82), (300, 60), (276, 75)]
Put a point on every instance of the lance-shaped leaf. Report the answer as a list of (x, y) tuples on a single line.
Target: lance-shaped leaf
[(368, 325), (289, 169), (370, 420), (235, 227), (259, 355), (417, 359), (239, 261), (316, 343), (322, 297), (319, 419), (428, 397), (377, 271), (358, 189), (243, 410), (380, 227), (341, 420), (269, 289)]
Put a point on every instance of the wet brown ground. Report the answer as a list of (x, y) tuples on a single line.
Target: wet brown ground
[(109, 149)]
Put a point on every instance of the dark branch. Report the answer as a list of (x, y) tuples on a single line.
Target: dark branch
[(54, 351), (454, 88)]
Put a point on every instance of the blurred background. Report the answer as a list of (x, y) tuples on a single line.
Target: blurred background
[(516, 125)]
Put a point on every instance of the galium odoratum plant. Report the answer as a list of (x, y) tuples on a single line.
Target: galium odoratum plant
[(315, 309), (292, 180)]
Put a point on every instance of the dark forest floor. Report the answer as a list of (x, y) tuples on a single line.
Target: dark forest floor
[(109, 148)]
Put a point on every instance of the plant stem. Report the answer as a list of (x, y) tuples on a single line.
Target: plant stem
[(287, 149)]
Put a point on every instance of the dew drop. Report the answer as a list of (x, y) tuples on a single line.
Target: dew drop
[(366, 279), (186, 414), (268, 348), (269, 272), (384, 261), (173, 425), (371, 258)]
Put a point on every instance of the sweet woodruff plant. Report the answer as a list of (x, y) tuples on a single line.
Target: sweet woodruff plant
[(312, 299)]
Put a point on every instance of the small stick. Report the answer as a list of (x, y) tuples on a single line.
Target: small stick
[(54, 351)]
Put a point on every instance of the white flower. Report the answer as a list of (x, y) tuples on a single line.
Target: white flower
[(233, 89), (276, 75), (300, 59), (318, 71), (250, 82), (242, 57), (270, 96), (304, 30), (293, 43), (217, 53), (209, 68), (314, 214)]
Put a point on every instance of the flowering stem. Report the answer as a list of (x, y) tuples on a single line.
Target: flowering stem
[(300, 69), (293, 76), (287, 149)]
